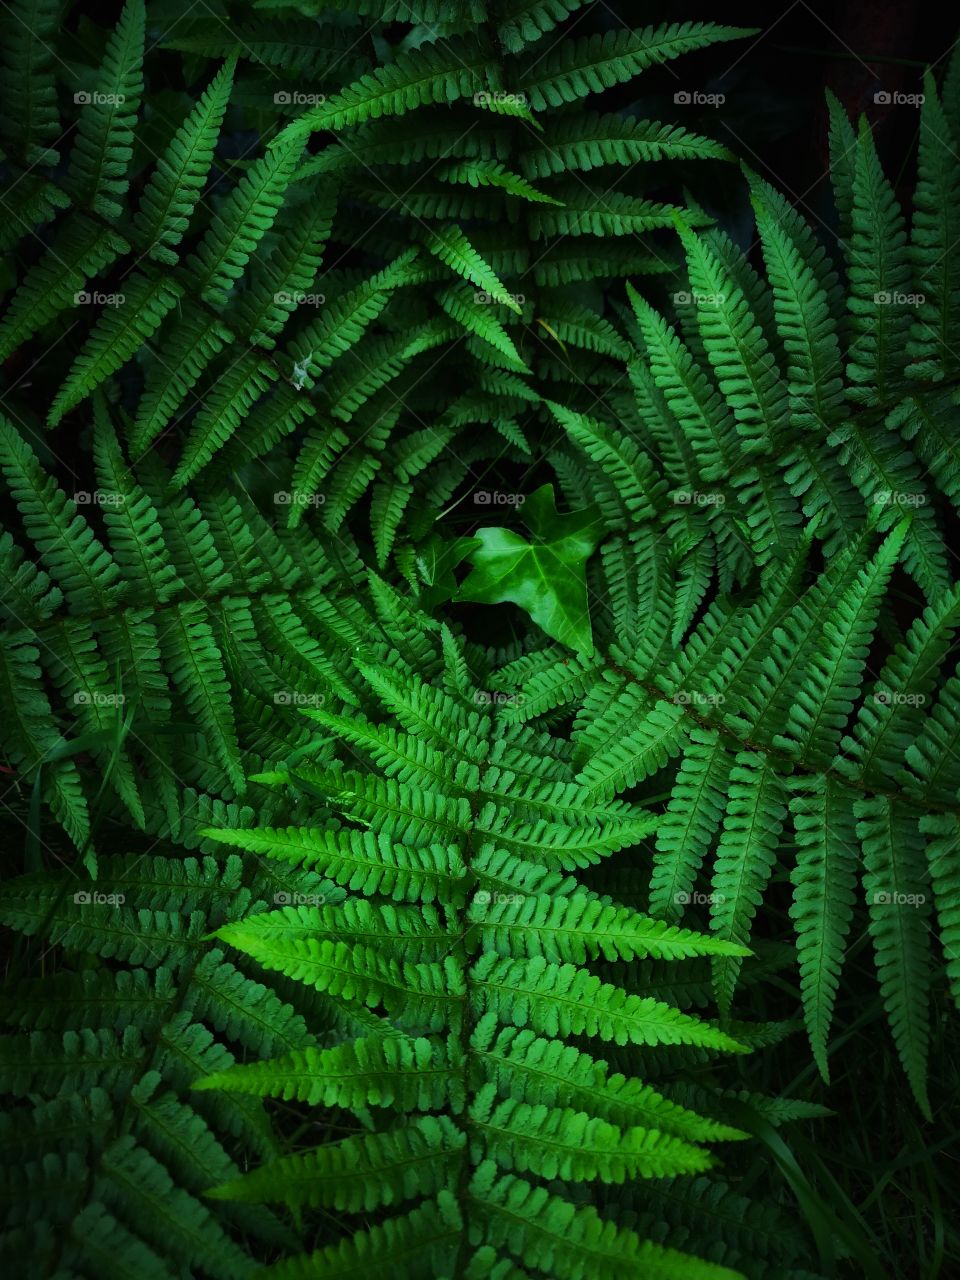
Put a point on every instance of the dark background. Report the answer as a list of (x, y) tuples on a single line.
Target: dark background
[(775, 114)]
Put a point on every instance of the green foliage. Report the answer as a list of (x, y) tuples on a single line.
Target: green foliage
[(807, 716), (543, 575), (478, 974), (115, 1154), (192, 618), (281, 308), (362, 927)]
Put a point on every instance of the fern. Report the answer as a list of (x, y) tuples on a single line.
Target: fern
[(464, 620), (484, 956), (170, 621), (226, 297), (773, 705), (797, 398), (755, 701), (108, 1063)]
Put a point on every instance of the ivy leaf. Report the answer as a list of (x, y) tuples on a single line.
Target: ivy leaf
[(435, 563), (546, 576)]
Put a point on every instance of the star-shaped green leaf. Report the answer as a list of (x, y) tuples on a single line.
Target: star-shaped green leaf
[(546, 575), (435, 562)]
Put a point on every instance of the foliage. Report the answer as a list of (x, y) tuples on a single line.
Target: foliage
[(544, 576), (471, 936), (478, 692), (347, 312), (812, 708)]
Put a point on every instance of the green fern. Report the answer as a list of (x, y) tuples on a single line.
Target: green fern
[(436, 671), (487, 954), (219, 305)]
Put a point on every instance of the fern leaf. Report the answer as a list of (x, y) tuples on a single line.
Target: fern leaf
[(590, 65), (429, 74), (171, 195), (104, 141), (824, 882), (243, 219), (896, 882), (745, 858), (692, 818)]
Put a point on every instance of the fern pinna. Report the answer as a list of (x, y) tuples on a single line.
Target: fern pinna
[(810, 717), (463, 951), (380, 273)]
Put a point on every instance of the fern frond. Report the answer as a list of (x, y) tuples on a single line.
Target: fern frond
[(103, 146), (452, 69), (590, 65), (895, 881), (175, 186)]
